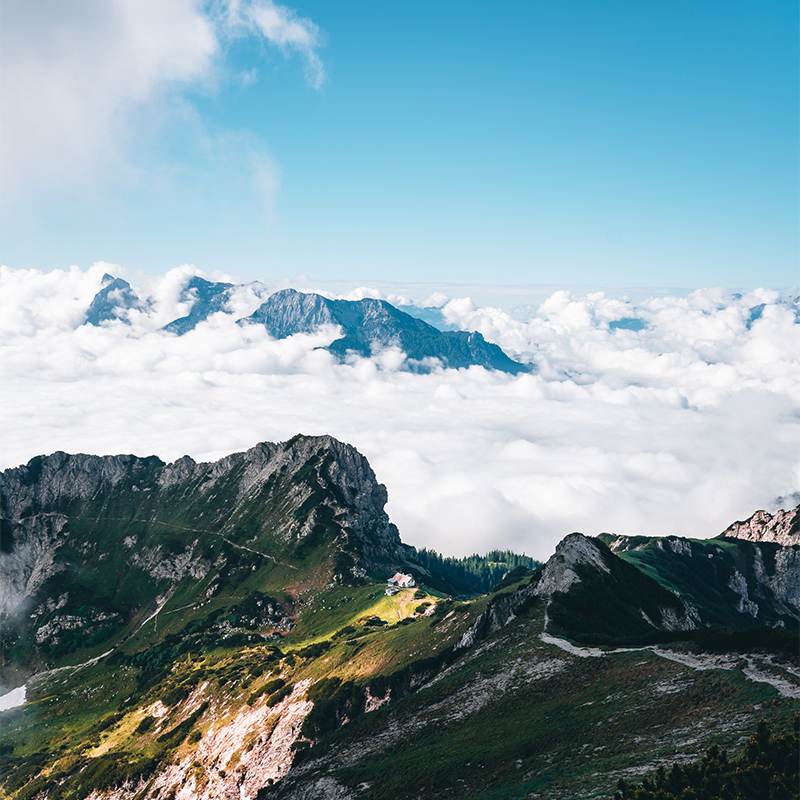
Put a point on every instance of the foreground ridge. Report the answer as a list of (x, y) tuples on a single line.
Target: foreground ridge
[(224, 630)]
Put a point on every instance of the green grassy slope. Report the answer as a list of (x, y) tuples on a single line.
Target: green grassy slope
[(81, 724), (519, 717), (704, 572)]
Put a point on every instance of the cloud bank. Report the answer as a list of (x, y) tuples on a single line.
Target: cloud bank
[(668, 415)]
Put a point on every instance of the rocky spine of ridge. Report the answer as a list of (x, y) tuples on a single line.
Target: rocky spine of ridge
[(782, 527), (68, 517), (370, 324)]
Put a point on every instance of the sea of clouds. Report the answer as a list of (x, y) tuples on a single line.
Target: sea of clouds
[(679, 428)]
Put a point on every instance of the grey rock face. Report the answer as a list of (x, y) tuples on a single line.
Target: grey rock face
[(559, 573), (783, 580), (369, 325), (206, 298), (38, 500), (288, 312), (497, 616), (30, 559), (782, 527), (676, 545), (745, 605), (112, 302), (47, 480)]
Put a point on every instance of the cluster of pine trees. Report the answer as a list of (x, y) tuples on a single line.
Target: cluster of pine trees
[(768, 770), (480, 573)]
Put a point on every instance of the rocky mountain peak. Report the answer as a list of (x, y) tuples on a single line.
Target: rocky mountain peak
[(560, 571), (112, 302), (310, 509), (782, 527), (370, 324), (206, 298)]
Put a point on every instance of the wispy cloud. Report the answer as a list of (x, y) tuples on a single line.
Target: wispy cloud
[(281, 27), (84, 84), (680, 427)]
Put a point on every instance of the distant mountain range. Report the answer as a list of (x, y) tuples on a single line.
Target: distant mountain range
[(222, 630), (367, 325)]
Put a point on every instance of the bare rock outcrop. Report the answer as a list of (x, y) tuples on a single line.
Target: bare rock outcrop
[(782, 527), (559, 574), (782, 577)]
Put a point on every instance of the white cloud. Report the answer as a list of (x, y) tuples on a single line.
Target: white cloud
[(85, 83), (681, 427), (283, 28), (73, 72)]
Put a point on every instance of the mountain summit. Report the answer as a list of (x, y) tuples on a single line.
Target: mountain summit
[(93, 546), (113, 302), (370, 325)]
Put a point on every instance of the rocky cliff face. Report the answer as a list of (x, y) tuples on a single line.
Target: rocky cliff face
[(572, 552), (91, 544), (782, 527)]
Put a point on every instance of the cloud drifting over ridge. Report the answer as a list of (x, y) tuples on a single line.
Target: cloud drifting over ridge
[(680, 427)]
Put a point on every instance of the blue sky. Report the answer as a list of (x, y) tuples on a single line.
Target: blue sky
[(613, 144)]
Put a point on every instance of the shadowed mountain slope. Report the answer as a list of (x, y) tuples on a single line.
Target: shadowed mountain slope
[(732, 581)]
